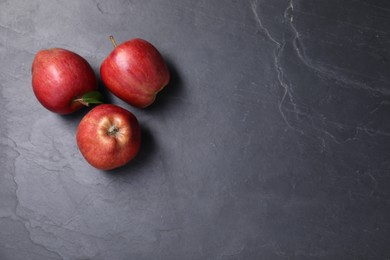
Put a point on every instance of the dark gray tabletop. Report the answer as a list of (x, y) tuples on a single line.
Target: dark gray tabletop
[(272, 140)]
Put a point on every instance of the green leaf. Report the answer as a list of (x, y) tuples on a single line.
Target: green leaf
[(93, 97)]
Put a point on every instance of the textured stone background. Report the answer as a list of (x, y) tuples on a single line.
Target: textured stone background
[(271, 142)]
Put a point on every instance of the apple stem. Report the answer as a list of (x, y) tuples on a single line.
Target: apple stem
[(113, 41), (80, 100)]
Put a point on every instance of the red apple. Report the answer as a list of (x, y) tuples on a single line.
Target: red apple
[(63, 81), (135, 72), (108, 136)]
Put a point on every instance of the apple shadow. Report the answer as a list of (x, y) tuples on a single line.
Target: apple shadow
[(107, 95), (71, 121), (77, 115), (144, 156), (166, 97)]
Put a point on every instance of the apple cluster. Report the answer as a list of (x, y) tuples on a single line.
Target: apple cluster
[(108, 136)]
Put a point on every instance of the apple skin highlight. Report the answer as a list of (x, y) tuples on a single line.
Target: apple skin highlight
[(135, 72), (108, 137)]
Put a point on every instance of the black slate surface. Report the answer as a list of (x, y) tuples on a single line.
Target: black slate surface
[(271, 141)]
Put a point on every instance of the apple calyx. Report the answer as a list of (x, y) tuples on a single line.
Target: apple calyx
[(92, 97), (113, 41), (113, 130)]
